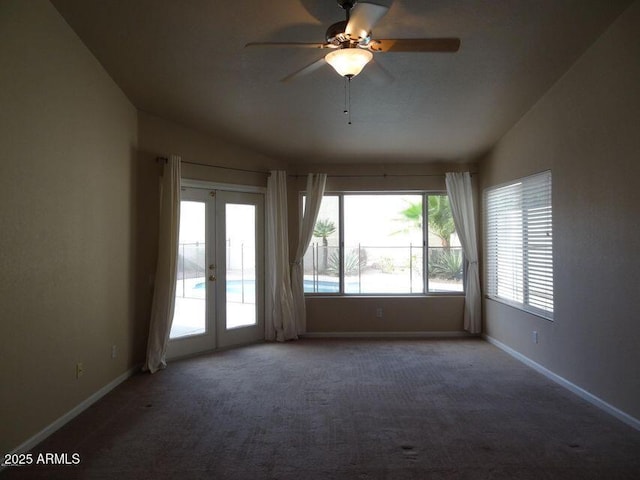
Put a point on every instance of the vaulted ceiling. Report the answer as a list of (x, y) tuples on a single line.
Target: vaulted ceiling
[(186, 61)]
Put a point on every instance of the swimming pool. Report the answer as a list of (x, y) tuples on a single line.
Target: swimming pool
[(234, 287)]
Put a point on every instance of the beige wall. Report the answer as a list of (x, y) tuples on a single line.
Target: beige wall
[(67, 235), (442, 314), (159, 137), (586, 129), (358, 314)]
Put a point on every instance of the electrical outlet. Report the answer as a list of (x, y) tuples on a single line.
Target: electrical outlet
[(535, 336), (379, 312), (114, 351), (79, 370)]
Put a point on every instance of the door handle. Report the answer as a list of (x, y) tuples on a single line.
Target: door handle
[(212, 278)]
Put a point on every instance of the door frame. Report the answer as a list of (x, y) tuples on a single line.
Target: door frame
[(190, 346), (228, 337)]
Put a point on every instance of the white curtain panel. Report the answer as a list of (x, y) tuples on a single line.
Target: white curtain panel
[(460, 195), (315, 191), (280, 322), (164, 292)]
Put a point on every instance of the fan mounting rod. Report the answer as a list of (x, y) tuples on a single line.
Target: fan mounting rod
[(347, 5)]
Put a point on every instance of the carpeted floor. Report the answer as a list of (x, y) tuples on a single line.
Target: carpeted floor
[(344, 409)]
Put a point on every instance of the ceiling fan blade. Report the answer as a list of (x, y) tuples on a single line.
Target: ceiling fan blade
[(415, 45), (364, 17), (288, 44), (312, 67)]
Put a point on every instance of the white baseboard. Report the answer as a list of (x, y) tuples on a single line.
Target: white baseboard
[(74, 412), (456, 334), (589, 397)]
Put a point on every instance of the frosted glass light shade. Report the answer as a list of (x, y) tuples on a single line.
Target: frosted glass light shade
[(348, 62)]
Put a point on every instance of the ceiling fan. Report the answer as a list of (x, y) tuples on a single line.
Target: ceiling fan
[(352, 45)]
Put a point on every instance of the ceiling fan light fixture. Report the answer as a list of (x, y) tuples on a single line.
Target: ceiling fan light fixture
[(348, 62)]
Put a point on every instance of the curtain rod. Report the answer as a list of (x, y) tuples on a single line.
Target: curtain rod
[(165, 160), (379, 175), (296, 175)]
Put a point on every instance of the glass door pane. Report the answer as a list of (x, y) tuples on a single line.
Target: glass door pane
[(193, 328), (190, 311), (240, 228), (240, 272)]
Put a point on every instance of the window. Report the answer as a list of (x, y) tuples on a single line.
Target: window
[(375, 244), (519, 244), (322, 259)]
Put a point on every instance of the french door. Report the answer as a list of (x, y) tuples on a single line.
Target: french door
[(220, 280)]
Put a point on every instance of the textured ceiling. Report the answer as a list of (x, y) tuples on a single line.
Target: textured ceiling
[(186, 61)]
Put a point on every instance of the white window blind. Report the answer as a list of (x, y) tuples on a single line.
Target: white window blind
[(519, 244)]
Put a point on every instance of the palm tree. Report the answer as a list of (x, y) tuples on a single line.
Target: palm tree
[(439, 217), (323, 229), (413, 214), (443, 262)]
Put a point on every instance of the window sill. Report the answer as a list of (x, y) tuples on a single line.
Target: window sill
[(385, 295), (519, 306)]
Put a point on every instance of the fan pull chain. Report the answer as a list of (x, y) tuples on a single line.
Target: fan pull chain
[(345, 96), (349, 97)]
